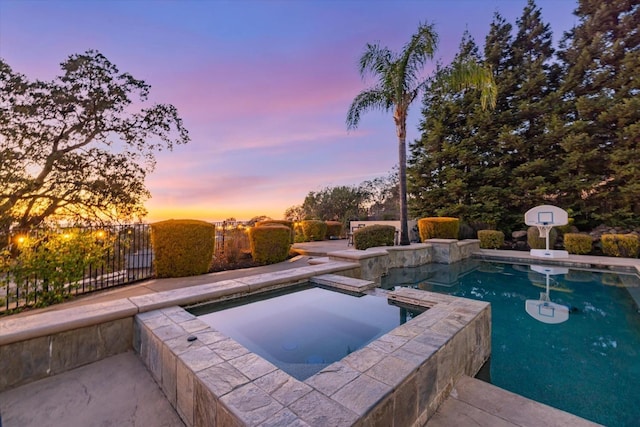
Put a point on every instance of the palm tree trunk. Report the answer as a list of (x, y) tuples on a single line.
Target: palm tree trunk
[(401, 130)]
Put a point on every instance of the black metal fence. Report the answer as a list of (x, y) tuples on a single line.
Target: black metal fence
[(125, 257), (226, 230)]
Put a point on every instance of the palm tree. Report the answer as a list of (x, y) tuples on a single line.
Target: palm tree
[(399, 82)]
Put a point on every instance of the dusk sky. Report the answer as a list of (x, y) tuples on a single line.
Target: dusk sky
[(263, 86)]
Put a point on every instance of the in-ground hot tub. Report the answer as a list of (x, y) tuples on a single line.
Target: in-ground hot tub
[(401, 376), (304, 329)]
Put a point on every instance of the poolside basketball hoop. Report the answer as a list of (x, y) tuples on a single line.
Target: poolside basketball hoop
[(545, 217)]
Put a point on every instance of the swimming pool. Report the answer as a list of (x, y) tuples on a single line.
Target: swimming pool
[(303, 330), (587, 364)]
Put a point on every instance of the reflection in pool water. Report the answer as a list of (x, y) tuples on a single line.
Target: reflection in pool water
[(588, 365)]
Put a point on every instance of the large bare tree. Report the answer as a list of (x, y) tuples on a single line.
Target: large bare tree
[(80, 145)]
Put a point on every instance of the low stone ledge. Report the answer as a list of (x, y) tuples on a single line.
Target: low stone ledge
[(342, 282), (189, 295), (53, 322), (356, 255), (448, 251)]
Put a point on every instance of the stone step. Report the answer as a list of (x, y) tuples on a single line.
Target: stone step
[(475, 402)]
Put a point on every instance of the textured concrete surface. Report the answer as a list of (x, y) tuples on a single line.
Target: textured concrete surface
[(117, 391)]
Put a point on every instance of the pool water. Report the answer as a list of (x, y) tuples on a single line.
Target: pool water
[(588, 364), (304, 330)]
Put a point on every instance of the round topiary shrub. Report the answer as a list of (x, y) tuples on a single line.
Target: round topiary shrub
[(621, 245), (578, 244), (491, 239), (270, 244), (284, 222), (374, 235), (536, 242), (182, 247), (334, 229), (438, 228), (313, 230)]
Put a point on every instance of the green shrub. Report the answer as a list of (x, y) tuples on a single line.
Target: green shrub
[(621, 245), (313, 230), (491, 239), (270, 244), (49, 264), (182, 247), (438, 228), (334, 229), (536, 242), (576, 243), (279, 222), (374, 235)]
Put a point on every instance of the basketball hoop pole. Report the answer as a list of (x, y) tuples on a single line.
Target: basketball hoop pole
[(543, 230)]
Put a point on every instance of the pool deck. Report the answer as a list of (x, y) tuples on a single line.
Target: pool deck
[(104, 391)]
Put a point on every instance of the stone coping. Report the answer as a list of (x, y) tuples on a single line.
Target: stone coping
[(357, 255), (576, 261), (52, 322), (401, 377), (345, 283)]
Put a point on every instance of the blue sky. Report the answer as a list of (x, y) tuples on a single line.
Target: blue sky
[(262, 86)]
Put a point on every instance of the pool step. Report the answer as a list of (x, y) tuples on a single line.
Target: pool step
[(345, 283), (475, 402)]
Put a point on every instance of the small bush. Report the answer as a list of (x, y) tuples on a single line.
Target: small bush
[(621, 245), (182, 247), (438, 228), (578, 244), (313, 230), (279, 222), (270, 244), (334, 229), (536, 242), (374, 235), (491, 239), (236, 241)]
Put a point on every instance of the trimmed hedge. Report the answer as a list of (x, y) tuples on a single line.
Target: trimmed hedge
[(270, 244), (438, 228), (313, 230), (334, 229), (578, 244), (374, 235), (278, 222), (491, 239), (182, 247), (536, 242), (621, 245)]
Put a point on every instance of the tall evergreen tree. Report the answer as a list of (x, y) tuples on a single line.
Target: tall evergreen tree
[(532, 155), (504, 160), (448, 163), (600, 176)]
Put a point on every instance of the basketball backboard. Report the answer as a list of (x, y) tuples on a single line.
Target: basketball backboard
[(546, 215)]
